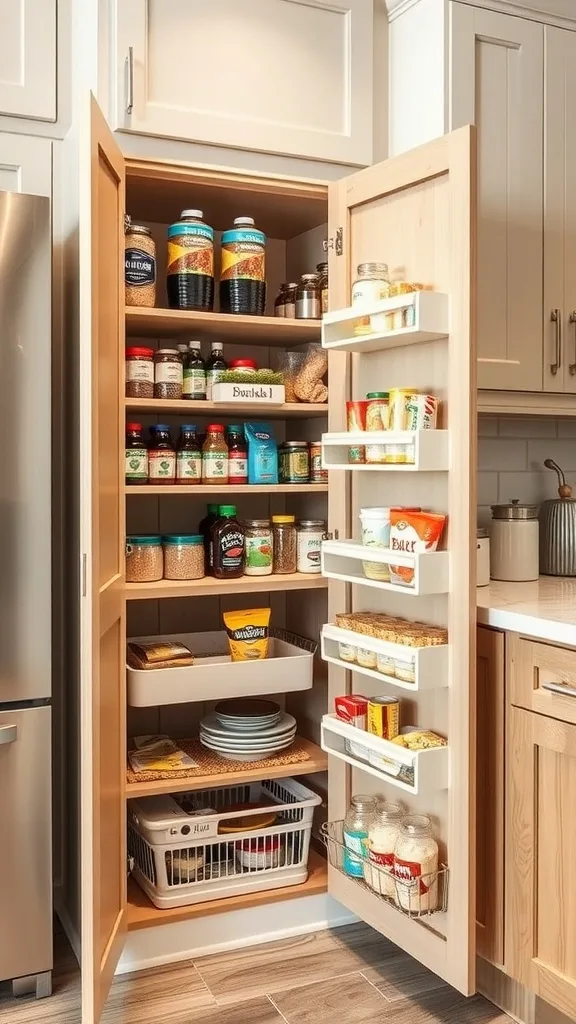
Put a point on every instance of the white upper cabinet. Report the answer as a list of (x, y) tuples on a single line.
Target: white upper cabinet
[(25, 164), (280, 76), (28, 59)]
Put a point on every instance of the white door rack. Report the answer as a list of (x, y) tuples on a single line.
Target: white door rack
[(430, 664), (341, 560), (430, 322), (427, 448)]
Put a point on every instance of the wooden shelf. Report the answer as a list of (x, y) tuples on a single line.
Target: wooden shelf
[(317, 762), (237, 410), (141, 913), (209, 587), (206, 489), (142, 322)]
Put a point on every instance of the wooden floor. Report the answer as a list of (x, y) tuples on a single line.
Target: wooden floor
[(351, 975)]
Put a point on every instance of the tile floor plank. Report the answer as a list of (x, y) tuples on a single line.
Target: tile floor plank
[(402, 977), (445, 1006), (169, 994), (348, 1000)]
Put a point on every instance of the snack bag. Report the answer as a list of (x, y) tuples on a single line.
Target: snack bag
[(262, 454), (248, 633), (411, 532)]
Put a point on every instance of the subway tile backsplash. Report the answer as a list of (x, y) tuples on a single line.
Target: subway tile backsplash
[(511, 453)]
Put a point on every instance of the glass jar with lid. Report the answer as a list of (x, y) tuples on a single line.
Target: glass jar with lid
[(416, 865), (290, 299), (309, 544), (279, 302), (168, 373), (258, 547), (371, 285), (383, 832), (144, 559), (294, 462), (284, 544), (139, 372), (139, 265), (322, 271), (308, 298), (355, 833)]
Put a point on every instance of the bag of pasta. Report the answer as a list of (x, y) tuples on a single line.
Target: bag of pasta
[(308, 385)]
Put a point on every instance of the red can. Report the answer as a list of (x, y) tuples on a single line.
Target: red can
[(352, 708)]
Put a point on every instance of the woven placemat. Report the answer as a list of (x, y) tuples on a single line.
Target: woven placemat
[(210, 764)]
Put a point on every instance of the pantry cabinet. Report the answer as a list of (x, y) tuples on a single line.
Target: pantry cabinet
[(28, 59), (25, 164), (279, 76)]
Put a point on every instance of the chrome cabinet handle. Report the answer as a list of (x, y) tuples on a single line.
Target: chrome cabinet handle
[(572, 366), (129, 67), (563, 688), (556, 318), (8, 734)]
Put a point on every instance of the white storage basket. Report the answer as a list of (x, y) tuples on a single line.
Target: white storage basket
[(181, 858)]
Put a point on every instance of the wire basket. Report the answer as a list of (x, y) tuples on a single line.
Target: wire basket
[(419, 897)]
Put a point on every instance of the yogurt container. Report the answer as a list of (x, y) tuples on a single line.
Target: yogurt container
[(375, 524)]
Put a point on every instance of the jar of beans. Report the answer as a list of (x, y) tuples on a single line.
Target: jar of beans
[(139, 265), (183, 556), (284, 544), (139, 372), (144, 561), (168, 373)]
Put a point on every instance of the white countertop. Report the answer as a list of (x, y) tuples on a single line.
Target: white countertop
[(545, 609)]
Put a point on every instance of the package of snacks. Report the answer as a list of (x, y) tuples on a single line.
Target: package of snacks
[(248, 632), (411, 533), (419, 739)]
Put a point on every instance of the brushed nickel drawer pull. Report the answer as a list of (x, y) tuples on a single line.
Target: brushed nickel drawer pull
[(556, 318), (572, 366), (563, 688)]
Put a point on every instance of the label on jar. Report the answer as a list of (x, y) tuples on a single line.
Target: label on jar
[(232, 550), (139, 267), (409, 871), (136, 464), (196, 256), (140, 369), (355, 841), (161, 464), (237, 469), (366, 293), (169, 372), (384, 860), (194, 383), (212, 378), (258, 557), (243, 255), (309, 545), (189, 466), (214, 466)]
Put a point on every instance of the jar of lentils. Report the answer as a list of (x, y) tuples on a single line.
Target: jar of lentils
[(183, 556), (144, 562), (139, 372), (168, 373), (139, 265), (284, 544)]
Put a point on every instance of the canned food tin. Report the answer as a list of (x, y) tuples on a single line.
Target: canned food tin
[(383, 717), (398, 400), (421, 412), (294, 462), (318, 475), (356, 421)]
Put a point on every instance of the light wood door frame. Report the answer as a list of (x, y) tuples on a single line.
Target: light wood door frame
[(103, 612), (452, 156)]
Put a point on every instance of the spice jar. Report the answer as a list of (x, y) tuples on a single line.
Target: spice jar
[(377, 418), (318, 475), (215, 455), (308, 298), (322, 271), (246, 367), (294, 462), (190, 264), (355, 829), (136, 455), (279, 302), (310, 533), (139, 372), (161, 456), (183, 556), (188, 456), (416, 865), (139, 265), (258, 547), (144, 562), (284, 544), (290, 299), (371, 285), (168, 373), (383, 833)]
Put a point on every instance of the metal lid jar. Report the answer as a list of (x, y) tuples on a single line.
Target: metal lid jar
[(514, 542), (310, 534)]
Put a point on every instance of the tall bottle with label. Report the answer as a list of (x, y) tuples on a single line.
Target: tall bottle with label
[(161, 456), (215, 366), (237, 455), (136, 455), (227, 539), (215, 455), (194, 373), (243, 269), (188, 456), (212, 512)]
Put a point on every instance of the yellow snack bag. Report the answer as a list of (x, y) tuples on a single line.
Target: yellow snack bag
[(248, 633)]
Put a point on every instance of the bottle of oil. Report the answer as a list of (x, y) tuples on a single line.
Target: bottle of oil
[(243, 269), (190, 270)]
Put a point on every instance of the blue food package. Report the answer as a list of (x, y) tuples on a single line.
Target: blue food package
[(262, 454)]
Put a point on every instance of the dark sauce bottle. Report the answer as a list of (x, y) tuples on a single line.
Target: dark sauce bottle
[(136, 455), (204, 528), (227, 540), (243, 269), (190, 269)]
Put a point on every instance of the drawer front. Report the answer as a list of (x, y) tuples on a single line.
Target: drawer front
[(542, 678)]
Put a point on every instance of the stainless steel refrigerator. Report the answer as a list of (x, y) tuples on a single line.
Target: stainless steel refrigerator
[(25, 593)]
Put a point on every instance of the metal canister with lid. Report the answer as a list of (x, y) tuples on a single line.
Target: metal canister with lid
[(558, 529), (514, 542), (482, 557)]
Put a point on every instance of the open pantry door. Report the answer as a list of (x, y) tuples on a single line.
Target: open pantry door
[(103, 631), (416, 214)]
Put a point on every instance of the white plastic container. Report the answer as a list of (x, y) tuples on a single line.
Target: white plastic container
[(376, 533)]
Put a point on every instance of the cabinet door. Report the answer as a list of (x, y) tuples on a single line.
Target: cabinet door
[(28, 58), (415, 212), (490, 795), (25, 164), (542, 678), (281, 76), (103, 611), (496, 83), (559, 211), (540, 943)]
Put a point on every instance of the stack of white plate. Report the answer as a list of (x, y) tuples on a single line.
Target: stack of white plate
[(247, 730)]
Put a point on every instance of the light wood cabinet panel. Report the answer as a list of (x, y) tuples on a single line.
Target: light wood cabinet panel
[(540, 939), (496, 83), (490, 795), (28, 59), (559, 363), (542, 678), (280, 76)]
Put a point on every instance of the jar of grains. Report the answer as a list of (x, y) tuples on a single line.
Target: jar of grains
[(294, 462), (371, 285), (382, 835), (310, 533), (183, 556), (168, 373), (139, 372), (144, 562), (284, 544), (139, 265), (416, 865), (258, 547)]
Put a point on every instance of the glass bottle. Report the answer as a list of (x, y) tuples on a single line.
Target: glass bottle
[(237, 455), (194, 386), (214, 367), (136, 455), (355, 833), (290, 299), (284, 544), (279, 303), (383, 832), (161, 456), (215, 455), (322, 271), (226, 550), (188, 456), (308, 298), (204, 528), (416, 865)]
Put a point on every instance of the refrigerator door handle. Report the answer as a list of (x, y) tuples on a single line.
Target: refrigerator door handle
[(8, 734)]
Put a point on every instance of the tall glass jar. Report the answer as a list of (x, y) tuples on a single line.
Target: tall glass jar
[(416, 865), (355, 827), (258, 547), (284, 544), (372, 284), (382, 835), (144, 559), (290, 299), (322, 271), (139, 265), (310, 534), (168, 373)]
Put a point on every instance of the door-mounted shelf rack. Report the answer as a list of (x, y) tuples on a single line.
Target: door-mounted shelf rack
[(341, 558), (430, 664), (428, 449), (429, 319)]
